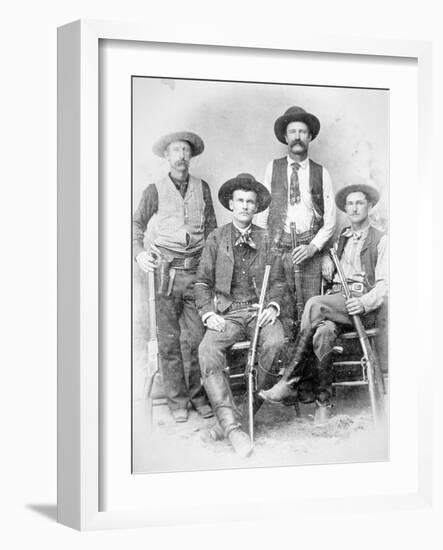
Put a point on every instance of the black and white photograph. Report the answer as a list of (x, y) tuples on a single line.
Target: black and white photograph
[(260, 281)]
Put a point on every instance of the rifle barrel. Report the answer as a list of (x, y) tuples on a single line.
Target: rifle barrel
[(373, 370)]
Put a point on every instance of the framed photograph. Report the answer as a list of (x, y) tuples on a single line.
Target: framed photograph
[(165, 385)]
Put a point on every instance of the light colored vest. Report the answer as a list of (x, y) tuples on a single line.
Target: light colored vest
[(180, 222)]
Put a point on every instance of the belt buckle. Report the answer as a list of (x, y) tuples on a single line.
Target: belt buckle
[(358, 287)]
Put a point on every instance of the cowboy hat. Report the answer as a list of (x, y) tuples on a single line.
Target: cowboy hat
[(245, 182), (371, 192), (294, 114), (194, 141)]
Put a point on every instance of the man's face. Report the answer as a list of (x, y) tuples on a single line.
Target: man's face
[(298, 137), (244, 206), (357, 207), (179, 154)]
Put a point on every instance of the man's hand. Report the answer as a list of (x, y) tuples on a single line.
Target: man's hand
[(303, 252), (354, 306), (216, 322), (148, 260), (327, 267), (268, 316)]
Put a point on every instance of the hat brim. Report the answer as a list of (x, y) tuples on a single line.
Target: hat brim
[(371, 192), (227, 189), (195, 141), (282, 122)]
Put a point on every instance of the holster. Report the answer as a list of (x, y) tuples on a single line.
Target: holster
[(164, 272)]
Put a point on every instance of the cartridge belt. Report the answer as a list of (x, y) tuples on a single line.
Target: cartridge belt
[(359, 288), (302, 238), (236, 306), (185, 263)]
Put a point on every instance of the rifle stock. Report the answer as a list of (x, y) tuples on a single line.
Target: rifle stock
[(373, 370), (152, 363)]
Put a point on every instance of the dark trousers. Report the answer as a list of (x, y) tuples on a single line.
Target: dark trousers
[(311, 286), (328, 313), (311, 276), (180, 306), (240, 326)]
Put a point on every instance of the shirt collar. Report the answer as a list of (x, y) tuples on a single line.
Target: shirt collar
[(241, 231), (360, 234), (176, 182), (303, 163)]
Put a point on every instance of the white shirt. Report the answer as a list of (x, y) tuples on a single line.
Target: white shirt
[(353, 270), (303, 213)]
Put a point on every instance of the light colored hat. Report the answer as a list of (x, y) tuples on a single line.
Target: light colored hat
[(370, 191), (194, 141)]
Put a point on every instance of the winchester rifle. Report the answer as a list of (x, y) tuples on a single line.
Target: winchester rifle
[(152, 362), (370, 362), (250, 367), (297, 278)]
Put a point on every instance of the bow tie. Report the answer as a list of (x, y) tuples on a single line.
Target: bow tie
[(246, 239), (356, 235)]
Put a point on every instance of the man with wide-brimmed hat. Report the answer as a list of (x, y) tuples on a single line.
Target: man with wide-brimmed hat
[(301, 193), (184, 217), (229, 280), (362, 250)]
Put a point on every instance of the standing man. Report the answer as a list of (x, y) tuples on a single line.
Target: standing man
[(185, 217), (301, 192), (362, 250), (229, 280)]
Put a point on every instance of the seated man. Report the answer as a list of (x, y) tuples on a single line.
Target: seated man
[(362, 250), (227, 289)]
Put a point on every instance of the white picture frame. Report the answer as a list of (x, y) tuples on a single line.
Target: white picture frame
[(79, 361)]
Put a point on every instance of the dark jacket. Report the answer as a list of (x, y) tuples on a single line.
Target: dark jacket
[(214, 274)]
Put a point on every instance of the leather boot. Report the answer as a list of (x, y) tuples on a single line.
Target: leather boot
[(323, 399), (265, 380), (284, 390), (241, 442), (238, 439), (219, 394)]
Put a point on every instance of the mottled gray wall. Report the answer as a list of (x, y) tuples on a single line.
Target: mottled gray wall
[(236, 122)]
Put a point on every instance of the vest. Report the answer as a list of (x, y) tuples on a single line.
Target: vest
[(368, 254), (279, 192), (225, 263), (180, 222)]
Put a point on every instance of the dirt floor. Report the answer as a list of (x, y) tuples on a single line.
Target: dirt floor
[(281, 438)]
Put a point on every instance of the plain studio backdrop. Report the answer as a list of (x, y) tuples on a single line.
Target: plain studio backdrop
[(28, 353)]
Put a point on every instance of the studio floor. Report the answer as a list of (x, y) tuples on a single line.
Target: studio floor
[(281, 438)]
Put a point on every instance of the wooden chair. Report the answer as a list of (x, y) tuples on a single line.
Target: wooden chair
[(349, 367)]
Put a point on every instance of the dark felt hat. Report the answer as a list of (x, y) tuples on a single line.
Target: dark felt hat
[(194, 141), (246, 182), (371, 192), (294, 114)]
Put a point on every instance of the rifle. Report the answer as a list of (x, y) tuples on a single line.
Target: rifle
[(152, 363), (369, 361), (250, 367), (297, 277)]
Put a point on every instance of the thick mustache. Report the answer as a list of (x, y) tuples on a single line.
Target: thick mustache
[(297, 142)]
